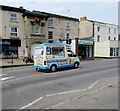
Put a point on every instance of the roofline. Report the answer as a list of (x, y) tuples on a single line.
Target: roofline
[(10, 8), (34, 14), (56, 15), (101, 22)]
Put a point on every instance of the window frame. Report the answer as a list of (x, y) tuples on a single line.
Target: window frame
[(98, 29), (98, 38), (68, 26), (50, 23), (67, 37), (50, 37), (16, 33), (12, 18)]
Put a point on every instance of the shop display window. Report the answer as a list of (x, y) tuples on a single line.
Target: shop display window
[(8, 52)]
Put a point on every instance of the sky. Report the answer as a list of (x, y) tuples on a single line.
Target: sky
[(103, 11)]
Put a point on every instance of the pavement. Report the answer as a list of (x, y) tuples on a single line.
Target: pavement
[(4, 63)]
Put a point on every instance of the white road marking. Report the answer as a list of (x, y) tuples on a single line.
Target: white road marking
[(31, 103), (79, 96), (93, 84), (65, 92), (3, 79)]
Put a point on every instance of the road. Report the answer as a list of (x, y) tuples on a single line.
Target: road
[(92, 86)]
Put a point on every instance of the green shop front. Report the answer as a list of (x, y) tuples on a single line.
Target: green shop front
[(85, 49)]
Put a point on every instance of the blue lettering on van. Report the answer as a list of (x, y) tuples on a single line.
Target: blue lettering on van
[(57, 60)]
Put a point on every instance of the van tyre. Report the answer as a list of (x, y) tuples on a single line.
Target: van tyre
[(53, 68), (76, 65), (38, 69)]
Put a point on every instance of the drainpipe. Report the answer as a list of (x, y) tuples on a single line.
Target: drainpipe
[(93, 34)]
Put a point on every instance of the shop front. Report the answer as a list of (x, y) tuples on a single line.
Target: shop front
[(9, 48), (85, 49)]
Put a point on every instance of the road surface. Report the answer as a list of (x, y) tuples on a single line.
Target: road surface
[(92, 86)]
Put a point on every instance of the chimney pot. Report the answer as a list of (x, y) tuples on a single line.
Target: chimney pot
[(83, 18)]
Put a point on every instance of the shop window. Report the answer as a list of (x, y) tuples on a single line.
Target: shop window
[(13, 17), (111, 51), (14, 31), (9, 52), (114, 52)]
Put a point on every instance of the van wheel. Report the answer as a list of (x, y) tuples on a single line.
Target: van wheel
[(37, 69), (53, 68), (76, 65)]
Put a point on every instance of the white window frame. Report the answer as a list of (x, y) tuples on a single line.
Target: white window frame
[(12, 18), (16, 33)]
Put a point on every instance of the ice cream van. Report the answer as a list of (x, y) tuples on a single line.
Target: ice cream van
[(52, 56)]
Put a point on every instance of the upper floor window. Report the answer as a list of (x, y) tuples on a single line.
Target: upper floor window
[(13, 17), (109, 30), (50, 23), (98, 29), (98, 38), (37, 28), (67, 35), (42, 29), (67, 25), (13, 31), (114, 31), (50, 35)]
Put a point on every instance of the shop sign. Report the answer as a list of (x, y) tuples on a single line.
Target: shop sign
[(85, 42), (9, 42)]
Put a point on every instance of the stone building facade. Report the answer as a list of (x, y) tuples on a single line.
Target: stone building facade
[(23, 29)]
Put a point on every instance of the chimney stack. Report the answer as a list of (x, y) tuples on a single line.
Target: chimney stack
[(83, 18)]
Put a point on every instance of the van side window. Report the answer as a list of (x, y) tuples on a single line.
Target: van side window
[(48, 50), (58, 52), (70, 53), (39, 51)]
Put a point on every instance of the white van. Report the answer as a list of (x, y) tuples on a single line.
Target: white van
[(53, 56)]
